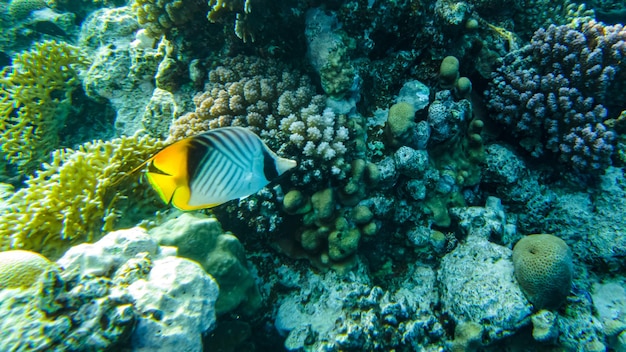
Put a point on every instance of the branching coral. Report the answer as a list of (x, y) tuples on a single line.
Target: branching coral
[(557, 92), (160, 17), (35, 97), (530, 15), (227, 10), (277, 103), (72, 199)]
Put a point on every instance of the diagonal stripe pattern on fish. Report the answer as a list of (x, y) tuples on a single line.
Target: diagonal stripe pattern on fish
[(213, 168)]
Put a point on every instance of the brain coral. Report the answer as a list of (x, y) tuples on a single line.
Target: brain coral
[(543, 267), (22, 268)]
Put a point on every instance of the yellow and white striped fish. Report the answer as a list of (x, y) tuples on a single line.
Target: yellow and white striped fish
[(215, 167)]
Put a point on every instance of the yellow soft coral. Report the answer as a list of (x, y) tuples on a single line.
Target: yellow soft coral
[(35, 97), (74, 199)]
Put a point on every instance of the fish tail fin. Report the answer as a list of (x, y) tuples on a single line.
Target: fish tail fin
[(284, 164)]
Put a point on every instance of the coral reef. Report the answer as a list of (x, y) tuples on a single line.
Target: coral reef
[(478, 283), (609, 299), (221, 255), (277, 103), (557, 93), (544, 269), (62, 312), (530, 15), (345, 312), (35, 99), (20, 9), (174, 298), (22, 269), (328, 53), (162, 17), (125, 63), (72, 199), (591, 225), (411, 190)]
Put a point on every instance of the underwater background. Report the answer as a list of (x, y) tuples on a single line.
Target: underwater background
[(460, 182)]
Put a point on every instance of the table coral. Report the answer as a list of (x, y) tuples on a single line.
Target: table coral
[(72, 199), (557, 92), (35, 98)]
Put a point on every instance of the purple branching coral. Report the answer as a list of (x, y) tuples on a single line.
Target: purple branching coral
[(557, 93)]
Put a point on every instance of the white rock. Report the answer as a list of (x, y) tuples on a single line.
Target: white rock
[(478, 285), (109, 253), (176, 304)]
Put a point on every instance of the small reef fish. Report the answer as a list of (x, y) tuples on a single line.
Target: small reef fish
[(212, 168)]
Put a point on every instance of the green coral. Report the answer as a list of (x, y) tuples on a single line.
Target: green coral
[(400, 122), (73, 199), (461, 158), (221, 255), (35, 98)]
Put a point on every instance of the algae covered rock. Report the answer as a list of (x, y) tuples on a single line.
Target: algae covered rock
[(174, 298), (330, 312), (220, 254), (65, 313)]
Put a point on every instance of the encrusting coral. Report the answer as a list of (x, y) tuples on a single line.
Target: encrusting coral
[(35, 98), (72, 199), (20, 9)]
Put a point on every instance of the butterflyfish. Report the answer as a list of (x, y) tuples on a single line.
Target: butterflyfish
[(215, 167)]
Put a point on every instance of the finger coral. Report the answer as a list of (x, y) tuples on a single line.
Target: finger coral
[(72, 199), (161, 17), (35, 98), (277, 103), (557, 93)]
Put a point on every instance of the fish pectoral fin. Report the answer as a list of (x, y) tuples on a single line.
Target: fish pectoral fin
[(165, 185)]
